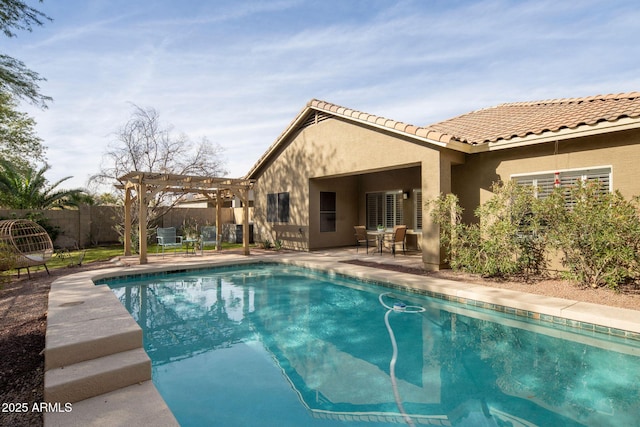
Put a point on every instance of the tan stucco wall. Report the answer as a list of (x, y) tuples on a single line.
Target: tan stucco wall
[(620, 150), (353, 159), (346, 189), (357, 159)]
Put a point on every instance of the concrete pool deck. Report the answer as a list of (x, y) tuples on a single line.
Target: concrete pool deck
[(94, 357)]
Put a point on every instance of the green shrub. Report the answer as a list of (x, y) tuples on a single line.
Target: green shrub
[(598, 234), (8, 261), (507, 240)]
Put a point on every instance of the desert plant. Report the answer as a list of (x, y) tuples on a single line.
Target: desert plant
[(508, 239), (266, 244), (446, 212), (277, 244), (598, 234), (189, 228), (8, 261)]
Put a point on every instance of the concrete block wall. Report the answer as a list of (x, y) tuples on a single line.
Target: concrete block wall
[(94, 225)]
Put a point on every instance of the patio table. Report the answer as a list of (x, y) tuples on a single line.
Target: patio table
[(379, 235), (190, 245)]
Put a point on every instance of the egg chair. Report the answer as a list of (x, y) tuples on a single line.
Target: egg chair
[(25, 243)]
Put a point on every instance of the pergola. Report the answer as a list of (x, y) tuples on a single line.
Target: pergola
[(145, 185)]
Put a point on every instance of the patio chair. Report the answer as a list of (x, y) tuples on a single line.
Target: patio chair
[(397, 238), (362, 238), (208, 235), (24, 244), (167, 239)]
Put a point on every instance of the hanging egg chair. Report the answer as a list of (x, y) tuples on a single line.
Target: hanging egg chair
[(25, 244)]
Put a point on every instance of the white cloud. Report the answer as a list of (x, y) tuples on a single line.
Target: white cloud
[(239, 72)]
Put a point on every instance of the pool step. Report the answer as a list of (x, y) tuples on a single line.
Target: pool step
[(69, 343), (89, 378)]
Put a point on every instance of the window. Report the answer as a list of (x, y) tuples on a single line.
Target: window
[(278, 207), (327, 211), (384, 209), (417, 200), (546, 182)]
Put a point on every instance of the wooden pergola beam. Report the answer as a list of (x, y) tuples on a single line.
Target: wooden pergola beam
[(148, 184)]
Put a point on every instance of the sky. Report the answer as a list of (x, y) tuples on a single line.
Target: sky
[(238, 72)]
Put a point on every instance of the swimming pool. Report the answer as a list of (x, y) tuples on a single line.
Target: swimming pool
[(271, 344)]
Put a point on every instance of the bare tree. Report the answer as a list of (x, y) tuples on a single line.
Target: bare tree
[(144, 144)]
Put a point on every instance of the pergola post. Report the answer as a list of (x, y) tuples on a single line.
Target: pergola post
[(148, 184), (244, 197), (218, 219), (142, 222), (127, 221)]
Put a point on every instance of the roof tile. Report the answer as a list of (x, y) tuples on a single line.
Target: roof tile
[(509, 120), (506, 121)]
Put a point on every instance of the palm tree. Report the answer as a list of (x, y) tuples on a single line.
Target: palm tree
[(27, 188)]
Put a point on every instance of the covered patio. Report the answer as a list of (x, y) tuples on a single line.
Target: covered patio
[(141, 187)]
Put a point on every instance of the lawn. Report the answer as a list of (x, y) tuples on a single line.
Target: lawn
[(63, 259)]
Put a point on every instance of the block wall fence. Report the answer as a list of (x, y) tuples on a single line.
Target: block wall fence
[(94, 225)]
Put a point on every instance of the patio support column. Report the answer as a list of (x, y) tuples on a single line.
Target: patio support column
[(127, 221), (436, 179), (218, 219), (142, 222), (244, 193)]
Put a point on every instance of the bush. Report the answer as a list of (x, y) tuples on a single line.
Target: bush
[(8, 261), (507, 240), (599, 234)]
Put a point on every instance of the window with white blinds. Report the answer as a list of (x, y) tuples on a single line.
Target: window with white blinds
[(384, 209), (545, 183), (417, 200)]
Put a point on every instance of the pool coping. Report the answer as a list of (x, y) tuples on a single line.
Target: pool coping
[(87, 325)]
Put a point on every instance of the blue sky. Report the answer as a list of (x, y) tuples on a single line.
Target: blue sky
[(238, 72)]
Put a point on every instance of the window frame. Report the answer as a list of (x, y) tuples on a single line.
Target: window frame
[(328, 212), (278, 207), (564, 178), (384, 199), (417, 209)]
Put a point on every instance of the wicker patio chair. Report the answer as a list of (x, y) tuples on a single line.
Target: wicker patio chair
[(25, 243)]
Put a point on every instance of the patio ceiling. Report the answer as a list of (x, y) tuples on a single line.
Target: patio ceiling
[(147, 184)]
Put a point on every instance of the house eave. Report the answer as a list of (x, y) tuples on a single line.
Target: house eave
[(293, 126), (560, 135)]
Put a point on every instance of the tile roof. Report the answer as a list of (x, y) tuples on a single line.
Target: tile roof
[(477, 128), (423, 132), (506, 121), (520, 119)]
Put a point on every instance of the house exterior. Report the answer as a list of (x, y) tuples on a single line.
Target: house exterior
[(334, 168)]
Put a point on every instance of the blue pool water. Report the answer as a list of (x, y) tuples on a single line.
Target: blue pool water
[(274, 345)]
